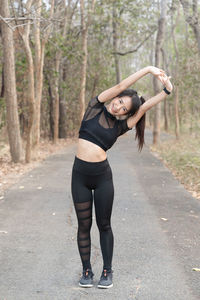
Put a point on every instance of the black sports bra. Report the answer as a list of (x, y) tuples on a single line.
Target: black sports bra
[(99, 126)]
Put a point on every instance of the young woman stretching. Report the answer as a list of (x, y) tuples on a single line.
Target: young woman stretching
[(100, 128)]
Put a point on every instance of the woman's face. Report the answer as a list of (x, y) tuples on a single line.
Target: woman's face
[(120, 106)]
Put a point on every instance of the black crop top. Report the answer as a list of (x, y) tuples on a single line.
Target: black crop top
[(99, 126)]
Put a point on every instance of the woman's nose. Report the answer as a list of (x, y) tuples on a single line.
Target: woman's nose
[(117, 106)]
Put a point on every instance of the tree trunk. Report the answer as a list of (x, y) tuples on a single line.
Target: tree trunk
[(85, 53), (30, 97), (166, 124), (39, 66), (12, 117), (62, 119), (57, 69), (38, 77), (56, 100), (84, 61), (159, 42), (50, 106), (115, 41), (176, 76), (177, 113), (2, 81), (62, 103), (30, 92), (69, 13), (193, 20)]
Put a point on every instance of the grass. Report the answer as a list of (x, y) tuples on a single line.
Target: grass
[(182, 157)]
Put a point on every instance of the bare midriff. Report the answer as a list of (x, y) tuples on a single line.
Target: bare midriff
[(89, 151)]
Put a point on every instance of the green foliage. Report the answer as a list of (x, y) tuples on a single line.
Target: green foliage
[(135, 20)]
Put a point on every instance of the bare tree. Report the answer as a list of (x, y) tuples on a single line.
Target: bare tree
[(24, 33), (84, 29), (40, 43), (192, 20), (12, 118), (55, 85), (115, 46), (58, 98), (176, 76), (159, 42)]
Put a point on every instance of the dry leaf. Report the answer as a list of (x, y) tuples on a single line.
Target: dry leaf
[(164, 219), (196, 269)]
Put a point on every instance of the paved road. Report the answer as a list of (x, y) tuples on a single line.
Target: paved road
[(155, 223)]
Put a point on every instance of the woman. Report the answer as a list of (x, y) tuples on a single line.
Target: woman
[(100, 128)]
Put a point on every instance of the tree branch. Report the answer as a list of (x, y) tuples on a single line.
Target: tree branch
[(4, 20), (136, 49)]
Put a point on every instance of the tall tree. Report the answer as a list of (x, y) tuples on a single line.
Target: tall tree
[(40, 43), (192, 19), (12, 118), (38, 74), (55, 85), (24, 33), (176, 73), (159, 42), (84, 29), (115, 44)]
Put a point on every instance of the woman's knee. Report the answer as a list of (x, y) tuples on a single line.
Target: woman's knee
[(85, 225), (104, 225)]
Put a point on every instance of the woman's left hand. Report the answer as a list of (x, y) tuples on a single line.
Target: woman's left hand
[(166, 82)]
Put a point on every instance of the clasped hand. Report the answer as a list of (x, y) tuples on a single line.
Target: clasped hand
[(161, 75)]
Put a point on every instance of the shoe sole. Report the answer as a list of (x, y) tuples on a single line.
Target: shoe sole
[(105, 286), (86, 285)]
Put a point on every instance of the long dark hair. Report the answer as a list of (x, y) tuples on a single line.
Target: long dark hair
[(140, 125)]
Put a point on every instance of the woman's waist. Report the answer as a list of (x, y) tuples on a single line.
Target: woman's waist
[(89, 151), (91, 168)]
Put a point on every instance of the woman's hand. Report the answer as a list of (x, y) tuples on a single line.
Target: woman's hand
[(160, 74), (166, 82), (156, 71)]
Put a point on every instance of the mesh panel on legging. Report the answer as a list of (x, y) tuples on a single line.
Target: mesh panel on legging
[(84, 215), (97, 176)]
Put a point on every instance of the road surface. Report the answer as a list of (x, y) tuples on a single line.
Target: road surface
[(155, 221)]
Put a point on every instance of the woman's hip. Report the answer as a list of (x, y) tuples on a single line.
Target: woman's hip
[(91, 168)]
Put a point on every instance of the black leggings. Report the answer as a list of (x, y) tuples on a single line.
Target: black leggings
[(97, 176)]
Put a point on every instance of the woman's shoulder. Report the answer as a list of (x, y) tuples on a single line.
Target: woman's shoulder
[(95, 102)]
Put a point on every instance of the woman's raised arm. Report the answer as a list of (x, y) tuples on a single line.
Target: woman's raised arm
[(131, 122), (124, 84)]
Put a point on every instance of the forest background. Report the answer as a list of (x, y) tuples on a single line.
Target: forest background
[(56, 55)]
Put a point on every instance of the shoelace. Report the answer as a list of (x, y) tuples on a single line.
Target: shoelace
[(105, 273), (86, 272)]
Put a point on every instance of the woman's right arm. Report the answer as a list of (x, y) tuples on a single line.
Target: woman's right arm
[(132, 121), (124, 84)]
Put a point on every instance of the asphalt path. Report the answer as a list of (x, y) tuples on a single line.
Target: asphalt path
[(155, 222)]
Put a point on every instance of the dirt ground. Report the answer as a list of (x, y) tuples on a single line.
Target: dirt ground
[(10, 172)]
